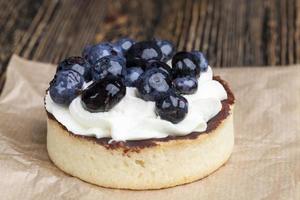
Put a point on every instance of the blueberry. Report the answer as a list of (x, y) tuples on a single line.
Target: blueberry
[(146, 50), (103, 94), (137, 62), (132, 76), (95, 52), (109, 65), (65, 86), (167, 48), (153, 84), (116, 50), (185, 85), (185, 64), (172, 108), (77, 64), (124, 44), (86, 51), (160, 65), (202, 62)]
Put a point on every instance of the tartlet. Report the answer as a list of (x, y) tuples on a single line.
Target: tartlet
[(121, 117), (145, 164)]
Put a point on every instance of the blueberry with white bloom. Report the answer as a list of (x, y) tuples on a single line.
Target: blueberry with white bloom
[(132, 76), (95, 52), (86, 51), (185, 85), (167, 48), (173, 108), (185, 64), (146, 50), (124, 44), (153, 84), (202, 61), (109, 65), (65, 86), (77, 64), (160, 65)]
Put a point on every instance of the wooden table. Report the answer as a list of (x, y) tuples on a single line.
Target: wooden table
[(229, 32)]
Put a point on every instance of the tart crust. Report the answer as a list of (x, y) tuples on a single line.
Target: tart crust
[(146, 164)]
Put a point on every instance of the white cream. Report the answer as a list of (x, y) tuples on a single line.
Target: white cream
[(134, 119)]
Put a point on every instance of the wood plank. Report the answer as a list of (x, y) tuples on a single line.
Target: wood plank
[(239, 28), (290, 30), (270, 35), (201, 24), (283, 32), (212, 50), (296, 34), (297, 31), (207, 27), (15, 18), (193, 26), (168, 26), (60, 38), (186, 21)]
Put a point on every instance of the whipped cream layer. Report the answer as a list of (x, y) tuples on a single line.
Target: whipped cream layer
[(135, 119)]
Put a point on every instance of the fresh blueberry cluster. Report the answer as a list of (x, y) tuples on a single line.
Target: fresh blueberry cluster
[(111, 67)]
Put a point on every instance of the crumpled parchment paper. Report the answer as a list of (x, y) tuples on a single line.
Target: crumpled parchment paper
[(265, 163)]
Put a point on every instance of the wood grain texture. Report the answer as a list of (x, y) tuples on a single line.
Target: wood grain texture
[(229, 32)]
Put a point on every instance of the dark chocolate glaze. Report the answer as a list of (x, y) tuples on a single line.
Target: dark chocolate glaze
[(126, 146)]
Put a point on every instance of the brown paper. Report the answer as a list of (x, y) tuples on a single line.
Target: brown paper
[(265, 163)]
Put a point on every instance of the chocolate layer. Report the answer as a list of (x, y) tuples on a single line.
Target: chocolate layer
[(212, 124)]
